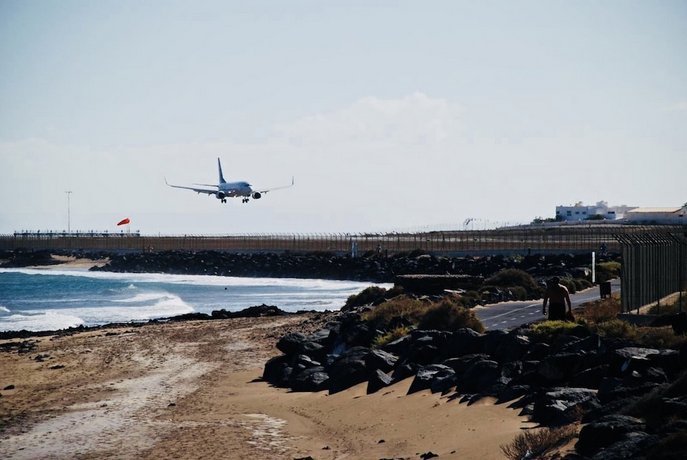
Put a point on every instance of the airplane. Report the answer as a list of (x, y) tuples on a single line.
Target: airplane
[(225, 189)]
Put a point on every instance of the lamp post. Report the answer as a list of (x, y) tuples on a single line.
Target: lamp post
[(69, 218)]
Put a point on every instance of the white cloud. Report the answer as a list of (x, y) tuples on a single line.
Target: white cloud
[(374, 164), (414, 119)]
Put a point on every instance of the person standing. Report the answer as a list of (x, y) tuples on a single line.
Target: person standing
[(556, 296)]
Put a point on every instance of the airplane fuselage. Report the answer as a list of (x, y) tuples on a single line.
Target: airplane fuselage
[(233, 189)]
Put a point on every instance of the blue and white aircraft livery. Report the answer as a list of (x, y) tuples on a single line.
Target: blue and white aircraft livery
[(225, 189)]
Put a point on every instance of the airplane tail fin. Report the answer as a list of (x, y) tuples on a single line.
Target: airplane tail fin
[(221, 176)]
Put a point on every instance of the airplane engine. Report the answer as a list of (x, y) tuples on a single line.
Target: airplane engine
[(257, 195), (221, 195)]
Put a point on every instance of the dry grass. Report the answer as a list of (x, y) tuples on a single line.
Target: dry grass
[(600, 310), (446, 314), (538, 443), (671, 308), (403, 307)]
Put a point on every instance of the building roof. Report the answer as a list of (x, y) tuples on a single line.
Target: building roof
[(654, 210)]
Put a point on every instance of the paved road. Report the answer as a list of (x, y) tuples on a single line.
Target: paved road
[(509, 315)]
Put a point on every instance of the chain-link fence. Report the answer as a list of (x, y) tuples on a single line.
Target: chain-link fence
[(654, 266), (519, 240)]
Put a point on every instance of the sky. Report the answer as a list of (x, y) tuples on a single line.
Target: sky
[(391, 115)]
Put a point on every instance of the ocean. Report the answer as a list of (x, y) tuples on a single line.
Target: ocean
[(48, 299)]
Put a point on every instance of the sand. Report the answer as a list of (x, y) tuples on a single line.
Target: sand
[(71, 263), (193, 390)]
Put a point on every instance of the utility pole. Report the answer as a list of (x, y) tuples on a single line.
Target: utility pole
[(69, 217)]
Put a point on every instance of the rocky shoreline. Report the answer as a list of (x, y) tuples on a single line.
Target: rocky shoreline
[(631, 398), (371, 266)]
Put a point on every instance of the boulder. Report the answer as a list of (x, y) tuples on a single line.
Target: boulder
[(480, 376), (591, 343), (461, 364), (493, 339), (404, 371), (348, 369), (313, 350), (537, 352), (278, 371), (379, 359), (631, 446), (428, 374), (423, 353), (399, 346), (628, 359), (612, 389), (511, 348), (668, 360), (357, 334), (511, 392), (610, 408), (606, 431), (324, 337), (304, 362), (559, 367), (291, 343), (561, 406), (465, 341), (590, 378), (311, 379)]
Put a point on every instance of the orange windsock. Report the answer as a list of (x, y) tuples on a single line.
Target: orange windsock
[(124, 221)]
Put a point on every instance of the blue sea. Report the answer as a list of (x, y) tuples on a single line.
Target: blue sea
[(47, 299)]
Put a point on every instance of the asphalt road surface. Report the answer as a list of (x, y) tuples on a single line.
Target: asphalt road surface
[(509, 315)]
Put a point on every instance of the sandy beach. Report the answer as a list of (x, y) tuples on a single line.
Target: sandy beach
[(193, 390)]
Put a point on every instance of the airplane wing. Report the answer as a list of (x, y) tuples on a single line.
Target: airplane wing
[(278, 188), (195, 189)]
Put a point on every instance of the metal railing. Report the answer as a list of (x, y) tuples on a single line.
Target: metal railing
[(517, 240), (654, 266)]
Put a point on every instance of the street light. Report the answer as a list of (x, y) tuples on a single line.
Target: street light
[(69, 218)]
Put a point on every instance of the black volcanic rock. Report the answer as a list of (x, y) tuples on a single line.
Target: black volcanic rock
[(606, 431), (564, 405)]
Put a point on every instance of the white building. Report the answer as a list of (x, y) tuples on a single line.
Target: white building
[(599, 211), (657, 216)]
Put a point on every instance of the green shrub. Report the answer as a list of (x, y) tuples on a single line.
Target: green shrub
[(447, 316), (548, 329), (610, 266), (607, 270), (513, 277), (616, 328), (367, 296), (390, 336), (408, 308)]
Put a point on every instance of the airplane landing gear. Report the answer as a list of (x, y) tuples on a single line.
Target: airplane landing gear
[(224, 200), (245, 200)]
